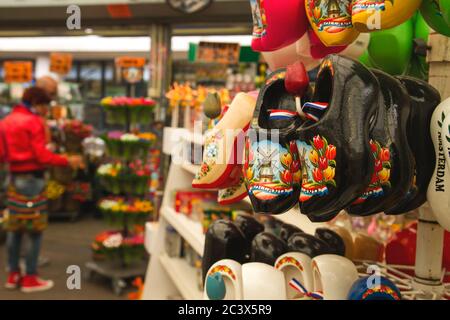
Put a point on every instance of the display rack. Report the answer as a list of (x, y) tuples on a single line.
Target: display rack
[(120, 272), (168, 276)]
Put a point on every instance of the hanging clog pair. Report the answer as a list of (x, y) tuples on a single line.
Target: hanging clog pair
[(375, 15), (437, 14)]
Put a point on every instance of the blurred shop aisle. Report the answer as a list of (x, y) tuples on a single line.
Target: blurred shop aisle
[(65, 244)]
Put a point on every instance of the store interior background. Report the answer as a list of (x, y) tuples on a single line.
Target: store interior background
[(32, 30)]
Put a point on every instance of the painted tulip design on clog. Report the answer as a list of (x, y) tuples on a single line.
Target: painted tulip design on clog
[(277, 24), (266, 248), (394, 162), (433, 13), (331, 20), (222, 164), (336, 160), (424, 100), (223, 240), (438, 194), (385, 289), (271, 161), (375, 15)]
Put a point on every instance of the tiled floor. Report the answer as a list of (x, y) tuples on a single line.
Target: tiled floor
[(65, 244)]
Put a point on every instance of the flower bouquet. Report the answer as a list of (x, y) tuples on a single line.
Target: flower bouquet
[(121, 110), (119, 179), (75, 131), (128, 145), (113, 246), (119, 212)]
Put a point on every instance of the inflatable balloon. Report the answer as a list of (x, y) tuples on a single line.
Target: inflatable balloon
[(433, 15), (445, 10), (393, 58)]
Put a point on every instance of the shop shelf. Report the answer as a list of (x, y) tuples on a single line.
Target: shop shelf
[(151, 229), (183, 276), (190, 230)]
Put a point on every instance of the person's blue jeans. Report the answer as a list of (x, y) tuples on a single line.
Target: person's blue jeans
[(14, 242)]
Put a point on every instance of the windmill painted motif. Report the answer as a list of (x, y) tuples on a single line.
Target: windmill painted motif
[(266, 173)]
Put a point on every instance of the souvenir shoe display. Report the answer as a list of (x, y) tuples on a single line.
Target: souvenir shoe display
[(223, 281), (295, 265), (424, 99), (395, 57), (366, 288), (394, 162), (366, 248), (223, 240), (307, 244), (334, 241), (277, 24), (438, 194), (221, 166), (333, 276), (271, 162), (346, 236), (332, 21), (250, 227), (261, 281), (266, 248), (287, 230), (334, 171), (374, 15), (433, 12)]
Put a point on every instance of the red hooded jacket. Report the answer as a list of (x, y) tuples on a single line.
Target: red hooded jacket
[(23, 142)]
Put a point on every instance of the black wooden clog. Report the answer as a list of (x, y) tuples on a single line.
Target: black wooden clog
[(334, 241), (307, 244), (271, 162), (266, 248), (223, 240), (394, 162), (337, 163), (424, 99)]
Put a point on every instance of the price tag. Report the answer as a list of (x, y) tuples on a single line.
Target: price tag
[(18, 71), (226, 53), (130, 62), (60, 63)]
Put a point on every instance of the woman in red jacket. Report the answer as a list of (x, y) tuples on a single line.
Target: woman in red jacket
[(25, 151)]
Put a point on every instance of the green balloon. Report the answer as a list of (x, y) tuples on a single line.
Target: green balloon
[(445, 9), (431, 12), (390, 50), (421, 28)]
